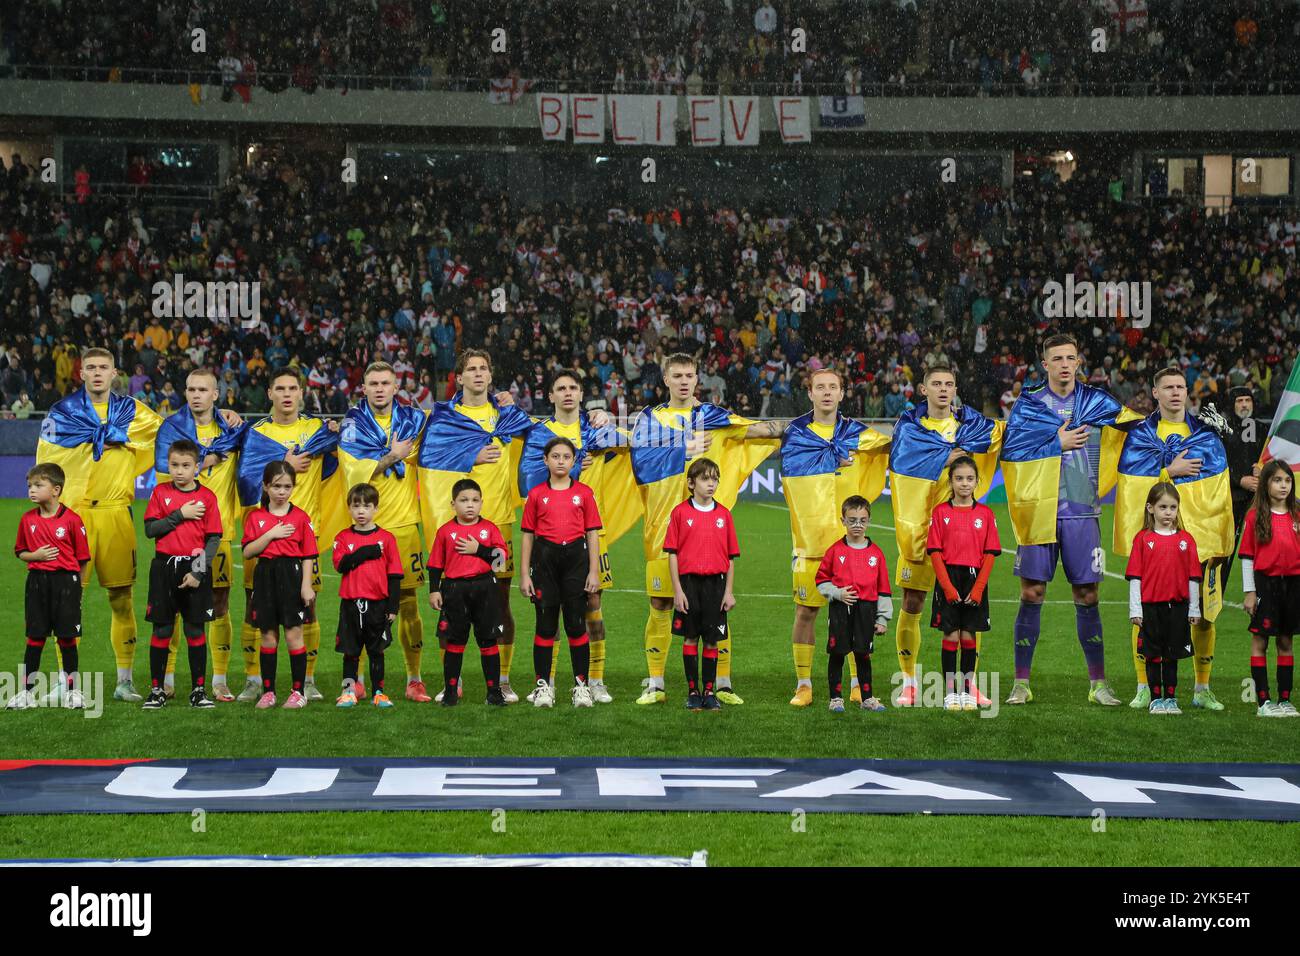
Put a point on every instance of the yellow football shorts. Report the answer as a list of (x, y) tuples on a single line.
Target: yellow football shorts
[(412, 554), (110, 535), (223, 569), (658, 582), (804, 574), (606, 573), (919, 576)]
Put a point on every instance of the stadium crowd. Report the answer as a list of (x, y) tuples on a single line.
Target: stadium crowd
[(728, 46), (405, 271)]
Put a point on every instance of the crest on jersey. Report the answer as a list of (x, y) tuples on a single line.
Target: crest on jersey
[(1182, 545), (60, 531), (483, 534), (577, 500), (871, 561), (720, 522), (979, 523)]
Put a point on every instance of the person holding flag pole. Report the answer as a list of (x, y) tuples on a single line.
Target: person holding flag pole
[(926, 440)]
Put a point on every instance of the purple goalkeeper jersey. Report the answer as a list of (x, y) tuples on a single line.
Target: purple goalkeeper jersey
[(1077, 495)]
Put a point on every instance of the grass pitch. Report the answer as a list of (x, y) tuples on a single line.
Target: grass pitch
[(1059, 725)]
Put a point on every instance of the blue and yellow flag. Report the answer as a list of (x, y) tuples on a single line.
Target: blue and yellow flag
[(181, 425), (1031, 455), (1206, 499), (918, 474), (815, 483), (363, 439), (451, 443), (259, 450), (100, 459), (222, 478), (659, 460), (609, 476)]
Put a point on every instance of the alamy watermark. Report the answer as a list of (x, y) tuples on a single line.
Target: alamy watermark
[(931, 688), (179, 299), (1089, 300), (52, 691)]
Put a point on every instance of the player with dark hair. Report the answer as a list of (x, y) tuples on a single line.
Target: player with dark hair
[(854, 578), (280, 534), (560, 566), (466, 554), (1052, 464), (184, 518), (368, 558), (702, 549), (52, 541)]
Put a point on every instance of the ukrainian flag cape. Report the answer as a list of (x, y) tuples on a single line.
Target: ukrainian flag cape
[(362, 440), (659, 462), (181, 425), (1031, 455), (609, 476), (918, 475), (258, 450), (450, 444), (815, 484), (1206, 506), (73, 437)]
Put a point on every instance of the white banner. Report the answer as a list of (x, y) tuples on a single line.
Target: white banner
[(642, 120), (588, 112), (704, 117), (740, 120), (792, 119), (553, 116), (638, 120)]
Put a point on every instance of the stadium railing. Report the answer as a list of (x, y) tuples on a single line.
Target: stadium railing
[(417, 82)]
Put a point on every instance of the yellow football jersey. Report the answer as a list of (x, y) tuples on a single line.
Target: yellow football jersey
[(306, 489), (222, 480), (1166, 430), (495, 478), (662, 496), (112, 478), (399, 500)]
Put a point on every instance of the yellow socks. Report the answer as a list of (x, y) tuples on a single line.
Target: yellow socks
[(311, 641), (121, 632), (658, 641), (220, 635), (596, 667), (1139, 661), (250, 645), (1203, 638), (803, 655), (410, 632), (507, 653), (724, 661), (907, 638)]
